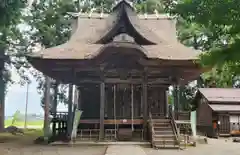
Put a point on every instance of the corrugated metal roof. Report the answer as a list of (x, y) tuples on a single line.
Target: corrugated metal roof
[(219, 107), (221, 94)]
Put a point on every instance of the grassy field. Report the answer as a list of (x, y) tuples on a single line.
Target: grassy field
[(21, 123), (28, 137), (34, 130)]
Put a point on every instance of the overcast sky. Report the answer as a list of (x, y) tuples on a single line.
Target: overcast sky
[(16, 99)]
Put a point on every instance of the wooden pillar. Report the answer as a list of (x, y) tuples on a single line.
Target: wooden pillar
[(55, 98), (114, 114), (76, 99), (70, 110), (47, 99), (176, 101), (102, 106), (79, 99), (132, 106), (145, 108), (166, 104), (54, 108)]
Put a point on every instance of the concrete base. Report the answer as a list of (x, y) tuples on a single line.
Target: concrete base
[(102, 143), (201, 140)]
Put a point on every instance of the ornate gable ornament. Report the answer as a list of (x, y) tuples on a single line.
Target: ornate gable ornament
[(124, 37)]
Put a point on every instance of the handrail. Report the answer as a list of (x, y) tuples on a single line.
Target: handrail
[(173, 123)]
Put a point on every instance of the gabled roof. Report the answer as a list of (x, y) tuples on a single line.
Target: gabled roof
[(155, 35), (221, 95)]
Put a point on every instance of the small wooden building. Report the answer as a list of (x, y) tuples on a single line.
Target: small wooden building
[(122, 64), (218, 111)]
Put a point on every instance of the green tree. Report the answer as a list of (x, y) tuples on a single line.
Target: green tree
[(209, 26), (149, 6), (12, 47), (51, 26), (222, 20)]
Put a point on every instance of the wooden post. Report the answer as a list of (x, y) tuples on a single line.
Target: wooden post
[(166, 104), (47, 99), (102, 106), (79, 98), (76, 95), (54, 108), (114, 107), (132, 108), (175, 101), (145, 108), (70, 110), (55, 100)]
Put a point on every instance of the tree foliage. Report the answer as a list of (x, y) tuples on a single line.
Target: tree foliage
[(211, 26), (221, 19), (50, 26), (12, 46)]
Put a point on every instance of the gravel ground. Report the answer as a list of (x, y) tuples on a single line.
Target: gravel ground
[(215, 147), (11, 149)]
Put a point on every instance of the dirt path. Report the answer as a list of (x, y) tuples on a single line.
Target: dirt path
[(125, 150), (13, 149), (215, 147)]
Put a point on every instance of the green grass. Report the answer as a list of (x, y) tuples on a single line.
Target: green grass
[(21, 123), (29, 136)]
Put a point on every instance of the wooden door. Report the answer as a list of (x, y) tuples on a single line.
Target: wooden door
[(157, 101), (224, 126)]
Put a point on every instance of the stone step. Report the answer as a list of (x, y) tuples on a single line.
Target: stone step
[(164, 136), (162, 124), (163, 132), (160, 120), (165, 142), (167, 146), (162, 128)]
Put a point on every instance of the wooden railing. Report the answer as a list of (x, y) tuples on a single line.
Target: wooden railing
[(182, 115), (60, 115), (174, 125), (88, 134)]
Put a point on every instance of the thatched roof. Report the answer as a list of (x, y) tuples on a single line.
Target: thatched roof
[(154, 35)]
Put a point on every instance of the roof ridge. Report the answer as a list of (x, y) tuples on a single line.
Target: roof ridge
[(140, 16)]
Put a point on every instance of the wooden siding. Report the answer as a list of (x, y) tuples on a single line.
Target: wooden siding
[(204, 114)]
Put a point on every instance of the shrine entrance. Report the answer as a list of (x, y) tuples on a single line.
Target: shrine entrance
[(123, 107), (157, 102)]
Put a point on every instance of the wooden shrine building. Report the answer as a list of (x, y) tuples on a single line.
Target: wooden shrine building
[(218, 111), (122, 64)]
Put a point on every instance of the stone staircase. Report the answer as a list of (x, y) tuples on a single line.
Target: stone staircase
[(163, 134)]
